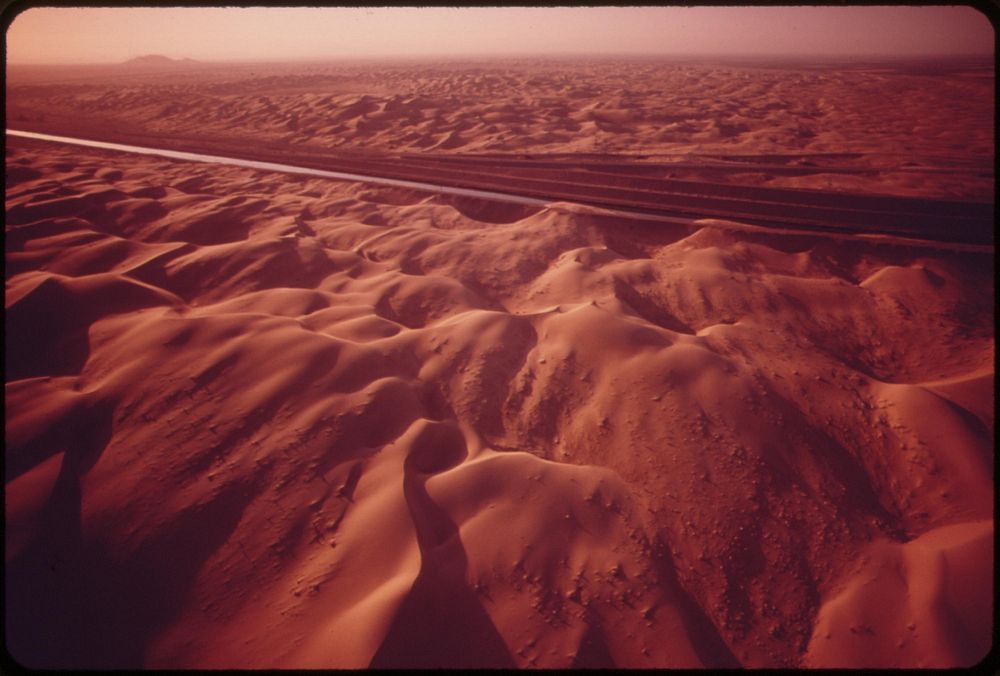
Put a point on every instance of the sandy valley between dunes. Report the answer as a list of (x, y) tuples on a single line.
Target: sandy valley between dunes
[(255, 419)]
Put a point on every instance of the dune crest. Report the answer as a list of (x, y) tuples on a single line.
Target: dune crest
[(902, 129), (265, 420)]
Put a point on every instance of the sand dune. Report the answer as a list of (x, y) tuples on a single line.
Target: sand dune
[(900, 130), (923, 596), (265, 420)]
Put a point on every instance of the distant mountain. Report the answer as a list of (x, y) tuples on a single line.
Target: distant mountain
[(158, 61)]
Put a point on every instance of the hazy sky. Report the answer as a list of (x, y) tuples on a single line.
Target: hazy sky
[(102, 35)]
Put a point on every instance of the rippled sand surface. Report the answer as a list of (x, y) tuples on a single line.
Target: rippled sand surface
[(263, 420)]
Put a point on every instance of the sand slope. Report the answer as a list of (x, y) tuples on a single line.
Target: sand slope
[(259, 420), (898, 128)]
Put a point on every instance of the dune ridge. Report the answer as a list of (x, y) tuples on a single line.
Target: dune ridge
[(899, 129), (265, 420)]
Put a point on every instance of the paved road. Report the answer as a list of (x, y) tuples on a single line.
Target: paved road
[(635, 188)]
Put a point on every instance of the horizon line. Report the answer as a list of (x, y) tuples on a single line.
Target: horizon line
[(515, 55)]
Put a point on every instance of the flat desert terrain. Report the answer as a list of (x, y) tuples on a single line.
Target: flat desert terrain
[(257, 419)]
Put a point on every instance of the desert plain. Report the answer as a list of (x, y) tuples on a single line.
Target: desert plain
[(257, 419)]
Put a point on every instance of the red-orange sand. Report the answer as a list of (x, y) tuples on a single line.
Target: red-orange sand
[(257, 420), (923, 128)]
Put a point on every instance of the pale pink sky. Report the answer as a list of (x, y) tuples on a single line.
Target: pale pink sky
[(103, 35)]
